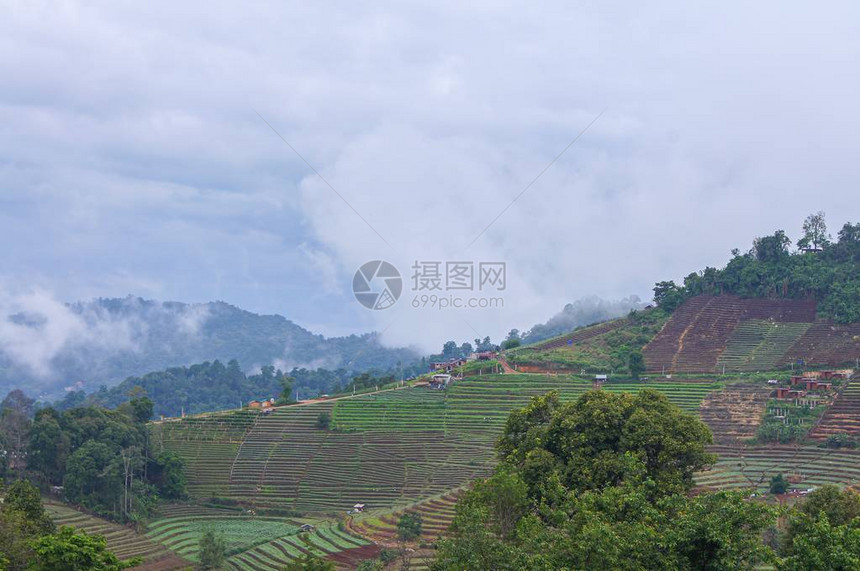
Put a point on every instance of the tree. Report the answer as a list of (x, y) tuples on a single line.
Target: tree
[(23, 497), (668, 295), (287, 388), (822, 545), (166, 472), (586, 485), (324, 421), (636, 364), (602, 438), (839, 507), (721, 530), (15, 411), (778, 484), (511, 343), (213, 551), (771, 248), (49, 446), (22, 520), (409, 526), (814, 232), (69, 550)]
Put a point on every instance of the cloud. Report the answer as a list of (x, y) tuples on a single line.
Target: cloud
[(133, 158), (35, 328), (38, 331)]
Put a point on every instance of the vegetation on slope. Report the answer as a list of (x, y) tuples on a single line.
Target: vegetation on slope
[(610, 351), (100, 457), (154, 336), (826, 271), (582, 485)]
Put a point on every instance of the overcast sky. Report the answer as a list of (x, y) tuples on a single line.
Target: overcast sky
[(133, 159)]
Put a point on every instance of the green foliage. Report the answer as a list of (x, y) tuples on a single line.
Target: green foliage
[(617, 527), (22, 520), (636, 364), (511, 343), (310, 563), (101, 457), (167, 473), (409, 526), (602, 438), (324, 421), (830, 274), (778, 484), (23, 497), (586, 486), (68, 550), (841, 507), (840, 441), (212, 553), (610, 350), (668, 295), (822, 546)]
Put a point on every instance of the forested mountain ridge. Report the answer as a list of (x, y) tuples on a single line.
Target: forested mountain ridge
[(819, 269), (112, 339)]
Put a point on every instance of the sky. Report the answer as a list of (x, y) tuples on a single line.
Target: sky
[(259, 153)]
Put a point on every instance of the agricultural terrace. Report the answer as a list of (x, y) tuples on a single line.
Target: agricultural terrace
[(728, 333), (387, 449), (804, 466), (122, 540), (596, 348), (253, 541)]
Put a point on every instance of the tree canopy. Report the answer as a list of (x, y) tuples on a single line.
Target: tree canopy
[(826, 271), (600, 483)]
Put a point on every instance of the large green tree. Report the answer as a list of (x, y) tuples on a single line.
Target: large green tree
[(601, 483), (71, 550), (598, 439)]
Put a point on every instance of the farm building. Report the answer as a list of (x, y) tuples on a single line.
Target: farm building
[(789, 393), (448, 365), (254, 404), (485, 355), (812, 385)]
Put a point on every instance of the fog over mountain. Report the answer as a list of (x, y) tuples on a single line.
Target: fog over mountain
[(582, 312), (47, 346)]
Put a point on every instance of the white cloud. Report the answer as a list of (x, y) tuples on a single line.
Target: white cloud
[(132, 153)]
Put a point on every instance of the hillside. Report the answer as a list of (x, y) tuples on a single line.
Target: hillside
[(413, 448), (107, 340)]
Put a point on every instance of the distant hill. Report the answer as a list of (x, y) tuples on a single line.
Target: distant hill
[(768, 308), (585, 311), (729, 333), (102, 342)]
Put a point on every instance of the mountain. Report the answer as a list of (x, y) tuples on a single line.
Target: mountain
[(768, 309), (47, 347)]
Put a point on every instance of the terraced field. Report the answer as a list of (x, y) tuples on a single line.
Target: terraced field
[(436, 515), (407, 449), (804, 466), (387, 449), (254, 541), (577, 336), (709, 333), (759, 345), (734, 413), (843, 417), (121, 540)]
